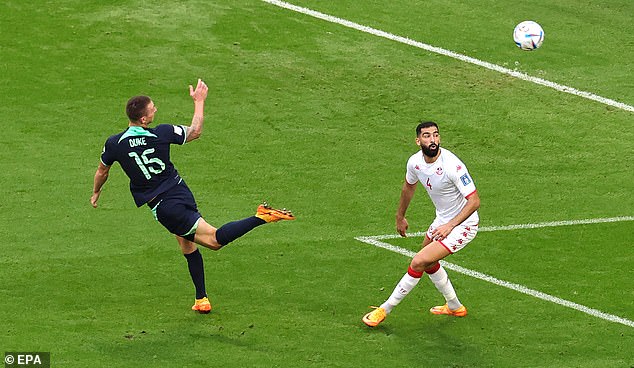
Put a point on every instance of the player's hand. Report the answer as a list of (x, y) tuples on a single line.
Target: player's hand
[(441, 232), (200, 93), (401, 226), (94, 198)]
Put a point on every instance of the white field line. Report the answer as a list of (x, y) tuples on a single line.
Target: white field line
[(455, 55), (524, 226), (376, 241)]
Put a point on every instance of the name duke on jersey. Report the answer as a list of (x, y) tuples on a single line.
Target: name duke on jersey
[(135, 142)]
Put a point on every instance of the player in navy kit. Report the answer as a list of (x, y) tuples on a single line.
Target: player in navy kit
[(451, 189), (144, 155)]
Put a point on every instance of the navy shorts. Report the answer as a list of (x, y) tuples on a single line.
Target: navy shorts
[(176, 210)]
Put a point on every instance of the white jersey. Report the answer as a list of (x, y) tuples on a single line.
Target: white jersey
[(447, 182)]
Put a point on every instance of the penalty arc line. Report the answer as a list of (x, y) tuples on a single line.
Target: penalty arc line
[(455, 55), (376, 241)]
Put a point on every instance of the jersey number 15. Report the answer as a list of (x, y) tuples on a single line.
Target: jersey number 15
[(146, 164)]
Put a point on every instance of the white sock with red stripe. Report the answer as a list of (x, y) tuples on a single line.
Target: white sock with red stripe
[(407, 283), (439, 277)]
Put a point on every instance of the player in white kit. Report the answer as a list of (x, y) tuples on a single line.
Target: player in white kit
[(454, 195)]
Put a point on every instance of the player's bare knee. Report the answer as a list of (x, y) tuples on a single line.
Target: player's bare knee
[(211, 244), (215, 246), (421, 263), (188, 248), (417, 266), (208, 241)]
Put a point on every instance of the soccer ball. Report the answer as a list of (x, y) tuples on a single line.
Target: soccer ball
[(528, 35)]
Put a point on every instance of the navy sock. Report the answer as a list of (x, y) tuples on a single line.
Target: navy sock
[(197, 272), (233, 230)]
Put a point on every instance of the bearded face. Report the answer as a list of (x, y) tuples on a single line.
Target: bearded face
[(429, 141), (431, 150)]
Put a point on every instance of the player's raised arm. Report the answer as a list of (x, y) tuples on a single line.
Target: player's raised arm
[(199, 95)]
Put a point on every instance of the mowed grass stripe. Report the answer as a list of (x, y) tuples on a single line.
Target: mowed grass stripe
[(455, 55)]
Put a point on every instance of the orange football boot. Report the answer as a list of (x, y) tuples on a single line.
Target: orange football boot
[(203, 306), (444, 309), (375, 317), (270, 214)]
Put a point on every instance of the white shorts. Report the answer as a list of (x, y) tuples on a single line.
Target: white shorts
[(458, 238)]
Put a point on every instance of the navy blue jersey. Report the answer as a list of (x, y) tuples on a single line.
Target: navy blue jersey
[(144, 155)]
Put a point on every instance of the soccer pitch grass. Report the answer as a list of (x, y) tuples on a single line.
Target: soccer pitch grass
[(318, 118)]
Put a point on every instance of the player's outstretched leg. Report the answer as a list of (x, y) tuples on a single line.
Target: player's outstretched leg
[(270, 214), (404, 286), (264, 214)]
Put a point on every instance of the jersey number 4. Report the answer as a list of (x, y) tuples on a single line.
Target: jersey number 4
[(148, 165)]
